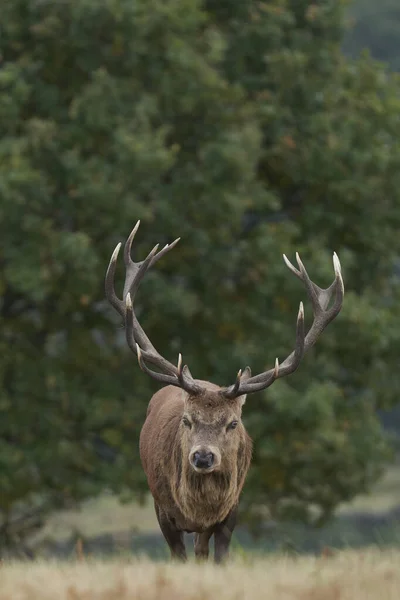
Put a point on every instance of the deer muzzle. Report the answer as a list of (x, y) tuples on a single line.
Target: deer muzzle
[(205, 459)]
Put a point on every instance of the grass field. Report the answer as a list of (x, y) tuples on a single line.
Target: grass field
[(347, 575), (106, 514), (108, 527)]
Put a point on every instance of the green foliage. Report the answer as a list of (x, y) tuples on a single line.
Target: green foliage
[(240, 127)]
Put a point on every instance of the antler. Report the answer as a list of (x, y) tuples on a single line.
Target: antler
[(180, 375), (322, 317), (136, 338)]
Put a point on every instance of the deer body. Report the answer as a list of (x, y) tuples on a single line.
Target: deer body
[(187, 500), (194, 448)]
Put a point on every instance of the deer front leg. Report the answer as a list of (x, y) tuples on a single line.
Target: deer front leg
[(201, 541), (222, 537), (172, 535)]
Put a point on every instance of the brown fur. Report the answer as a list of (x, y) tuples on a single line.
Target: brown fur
[(192, 501)]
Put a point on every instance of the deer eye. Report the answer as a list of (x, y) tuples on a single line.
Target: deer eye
[(186, 422), (232, 425)]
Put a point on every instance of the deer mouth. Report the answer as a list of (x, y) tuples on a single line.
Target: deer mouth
[(202, 470)]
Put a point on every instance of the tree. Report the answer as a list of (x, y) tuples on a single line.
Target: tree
[(110, 112), (241, 128), (330, 160)]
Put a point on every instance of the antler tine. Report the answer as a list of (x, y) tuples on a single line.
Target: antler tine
[(233, 391), (136, 272), (182, 379), (264, 380), (290, 366), (128, 245), (290, 266), (185, 378), (180, 363), (311, 288), (109, 282), (161, 377), (251, 386), (164, 251), (136, 338), (128, 248), (134, 335), (319, 297), (339, 285), (322, 317)]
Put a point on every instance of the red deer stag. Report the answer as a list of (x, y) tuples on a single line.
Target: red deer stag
[(194, 448)]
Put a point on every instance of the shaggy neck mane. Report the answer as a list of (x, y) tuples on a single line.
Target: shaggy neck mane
[(203, 499)]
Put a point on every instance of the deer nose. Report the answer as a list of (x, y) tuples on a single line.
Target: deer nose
[(203, 460)]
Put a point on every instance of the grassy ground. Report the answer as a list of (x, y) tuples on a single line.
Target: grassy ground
[(346, 576), (107, 515), (108, 527), (384, 496), (104, 514)]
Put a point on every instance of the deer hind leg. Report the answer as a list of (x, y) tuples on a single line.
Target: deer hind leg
[(172, 535), (201, 541), (222, 537)]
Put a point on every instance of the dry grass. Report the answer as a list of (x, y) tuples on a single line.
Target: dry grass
[(347, 576)]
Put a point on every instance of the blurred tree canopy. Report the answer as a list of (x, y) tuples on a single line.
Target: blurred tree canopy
[(375, 26), (240, 127)]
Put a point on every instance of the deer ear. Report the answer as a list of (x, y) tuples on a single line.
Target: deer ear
[(242, 400)]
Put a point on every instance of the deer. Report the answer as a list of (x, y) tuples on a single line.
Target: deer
[(193, 446)]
